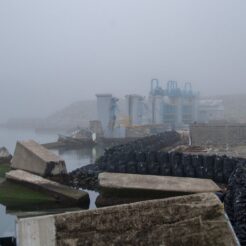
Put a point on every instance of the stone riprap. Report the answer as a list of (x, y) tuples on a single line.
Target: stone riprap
[(187, 220), (147, 144), (5, 156), (33, 157), (218, 168), (62, 193)]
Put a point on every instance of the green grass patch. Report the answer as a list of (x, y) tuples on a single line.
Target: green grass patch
[(4, 168)]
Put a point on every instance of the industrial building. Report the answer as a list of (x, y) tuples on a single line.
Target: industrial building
[(211, 110), (173, 106), (168, 107)]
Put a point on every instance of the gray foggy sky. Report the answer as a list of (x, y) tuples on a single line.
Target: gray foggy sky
[(55, 52)]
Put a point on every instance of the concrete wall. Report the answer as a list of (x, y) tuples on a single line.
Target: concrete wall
[(187, 220), (218, 134)]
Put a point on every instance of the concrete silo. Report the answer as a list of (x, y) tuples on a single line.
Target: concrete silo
[(106, 110)]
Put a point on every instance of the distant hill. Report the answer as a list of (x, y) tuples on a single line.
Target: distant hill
[(77, 114), (80, 113)]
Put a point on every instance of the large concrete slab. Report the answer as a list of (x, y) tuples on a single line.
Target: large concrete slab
[(33, 157), (187, 220), (62, 193), (144, 185)]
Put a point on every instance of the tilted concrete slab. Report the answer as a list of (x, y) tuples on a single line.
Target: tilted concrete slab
[(136, 185), (33, 157), (187, 220), (63, 193)]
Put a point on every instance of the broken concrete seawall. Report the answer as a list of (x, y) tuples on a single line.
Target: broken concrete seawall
[(188, 220), (221, 169)]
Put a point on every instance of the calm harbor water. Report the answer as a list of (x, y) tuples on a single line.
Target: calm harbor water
[(73, 158)]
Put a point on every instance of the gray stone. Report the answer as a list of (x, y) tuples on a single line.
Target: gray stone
[(63, 193), (187, 220), (33, 157)]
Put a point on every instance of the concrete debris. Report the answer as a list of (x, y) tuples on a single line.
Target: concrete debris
[(33, 157), (187, 220), (144, 187), (62, 193), (137, 184)]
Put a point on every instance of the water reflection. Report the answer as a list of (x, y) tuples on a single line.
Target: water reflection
[(74, 159), (79, 157), (7, 223)]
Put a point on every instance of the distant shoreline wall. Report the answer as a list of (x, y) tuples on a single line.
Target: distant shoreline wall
[(218, 134)]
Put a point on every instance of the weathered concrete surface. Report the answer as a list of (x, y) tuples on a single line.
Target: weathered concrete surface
[(63, 193), (5, 156), (218, 134), (188, 220), (144, 185), (33, 157), (36, 232)]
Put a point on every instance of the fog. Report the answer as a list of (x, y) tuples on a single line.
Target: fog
[(55, 52)]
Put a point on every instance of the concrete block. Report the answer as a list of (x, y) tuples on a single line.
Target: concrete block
[(151, 186), (187, 220), (62, 193), (33, 157)]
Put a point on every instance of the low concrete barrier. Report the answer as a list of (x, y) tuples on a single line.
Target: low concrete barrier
[(33, 157), (187, 220), (118, 188), (62, 193), (120, 181)]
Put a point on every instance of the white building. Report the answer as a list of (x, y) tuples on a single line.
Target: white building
[(211, 110)]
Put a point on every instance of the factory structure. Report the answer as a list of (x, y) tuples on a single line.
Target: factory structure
[(165, 108)]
